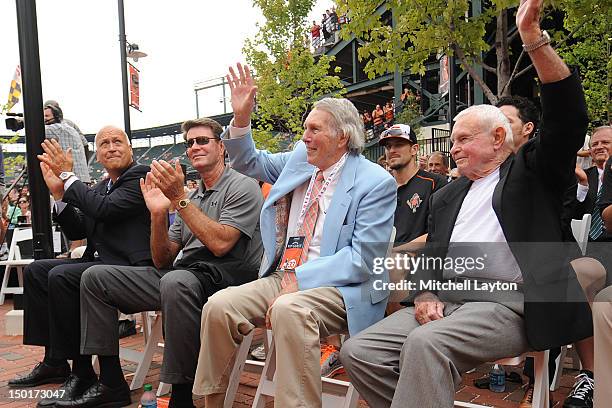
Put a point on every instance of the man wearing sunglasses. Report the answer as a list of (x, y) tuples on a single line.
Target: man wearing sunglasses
[(216, 231)]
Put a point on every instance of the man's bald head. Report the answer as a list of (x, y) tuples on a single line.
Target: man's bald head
[(113, 150), (111, 130)]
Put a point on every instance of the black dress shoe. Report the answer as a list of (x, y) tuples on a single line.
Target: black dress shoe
[(100, 396), (72, 388), (42, 374)]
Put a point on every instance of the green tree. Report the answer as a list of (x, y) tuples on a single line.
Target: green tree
[(590, 50), (425, 27), (289, 77)]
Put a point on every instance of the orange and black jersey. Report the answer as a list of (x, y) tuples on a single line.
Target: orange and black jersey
[(413, 205)]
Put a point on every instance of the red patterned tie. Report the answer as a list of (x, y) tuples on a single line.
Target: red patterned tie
[(308, 226), (310, 218)]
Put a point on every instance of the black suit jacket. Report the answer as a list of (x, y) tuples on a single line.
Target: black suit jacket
[(116, 224), (528, 202)]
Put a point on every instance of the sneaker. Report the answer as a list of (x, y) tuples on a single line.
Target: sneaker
[(259, 353), (527, 400), (581, 395), (330, 361)]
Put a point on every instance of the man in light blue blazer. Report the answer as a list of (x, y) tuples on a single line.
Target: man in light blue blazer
[(334, 210)]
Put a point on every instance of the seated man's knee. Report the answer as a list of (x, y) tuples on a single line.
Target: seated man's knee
[(92, 275), (419, 340), (175, 281), (286, 308), (352, 351), (217, 304)]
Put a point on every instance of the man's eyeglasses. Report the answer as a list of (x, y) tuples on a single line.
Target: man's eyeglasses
[(201, 140)]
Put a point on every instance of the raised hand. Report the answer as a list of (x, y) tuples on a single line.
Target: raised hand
[(53, 182), (156, 201), (170, 180), (528, 20), (54, 157), (581, 176), (243, 90)]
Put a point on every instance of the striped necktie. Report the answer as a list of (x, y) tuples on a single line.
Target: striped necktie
[(307, 227), (310, 218), (596, 221)]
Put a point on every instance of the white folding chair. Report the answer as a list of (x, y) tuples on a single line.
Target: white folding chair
[(14, 261), (540, 386), (580, 229), (335, 393)]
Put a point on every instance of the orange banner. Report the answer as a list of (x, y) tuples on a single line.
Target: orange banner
[(134, 87)]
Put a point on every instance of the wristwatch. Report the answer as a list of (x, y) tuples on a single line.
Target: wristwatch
[(182, 204), (65, 175), (543, 40)]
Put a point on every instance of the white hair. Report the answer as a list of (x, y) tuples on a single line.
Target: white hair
[(346, 120), (490, 118)]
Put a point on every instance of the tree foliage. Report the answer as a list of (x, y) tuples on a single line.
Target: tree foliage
[(425, 27), (289, 77), (590, 50)]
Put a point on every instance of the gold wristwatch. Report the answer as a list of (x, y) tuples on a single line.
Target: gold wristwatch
[(182, 204)]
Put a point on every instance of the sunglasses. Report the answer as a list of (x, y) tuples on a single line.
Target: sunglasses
[(200, 140), (23, 202), (393, 132)]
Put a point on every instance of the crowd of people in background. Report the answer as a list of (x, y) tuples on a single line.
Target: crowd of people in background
[(383, 117), (324, 32)]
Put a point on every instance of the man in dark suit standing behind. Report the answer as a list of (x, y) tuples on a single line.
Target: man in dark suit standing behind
[(113, 217)]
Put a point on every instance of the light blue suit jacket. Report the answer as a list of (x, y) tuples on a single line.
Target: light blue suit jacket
[(357, 225)]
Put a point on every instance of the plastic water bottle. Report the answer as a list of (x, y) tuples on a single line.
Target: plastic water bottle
[(148, 399), (497, 379)]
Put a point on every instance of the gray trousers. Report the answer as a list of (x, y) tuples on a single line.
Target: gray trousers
[(400, 363), (131, 289)]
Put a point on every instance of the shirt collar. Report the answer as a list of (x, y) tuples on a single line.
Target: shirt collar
[(223, 179)]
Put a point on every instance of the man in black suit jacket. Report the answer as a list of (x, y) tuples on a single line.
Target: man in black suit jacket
[(415, 357), (113, 217), (590, 182)]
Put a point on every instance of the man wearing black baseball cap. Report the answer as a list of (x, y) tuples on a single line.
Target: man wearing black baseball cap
[(415, 186)]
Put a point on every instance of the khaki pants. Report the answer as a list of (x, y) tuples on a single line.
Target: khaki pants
[(298, 321), (602, 322)]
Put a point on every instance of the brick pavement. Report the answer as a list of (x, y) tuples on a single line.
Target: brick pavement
[(15, 359)]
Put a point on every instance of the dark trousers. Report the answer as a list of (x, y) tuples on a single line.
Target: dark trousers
[(51, 305)]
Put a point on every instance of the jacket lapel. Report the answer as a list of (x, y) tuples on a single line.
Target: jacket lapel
[(448, 210), (504, 170), (339, 206)]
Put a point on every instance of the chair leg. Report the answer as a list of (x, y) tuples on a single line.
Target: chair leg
[(5, 278), (266, 381), (239, 360), (556, 382), (150, 348), (163, 389), (540, 386)]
